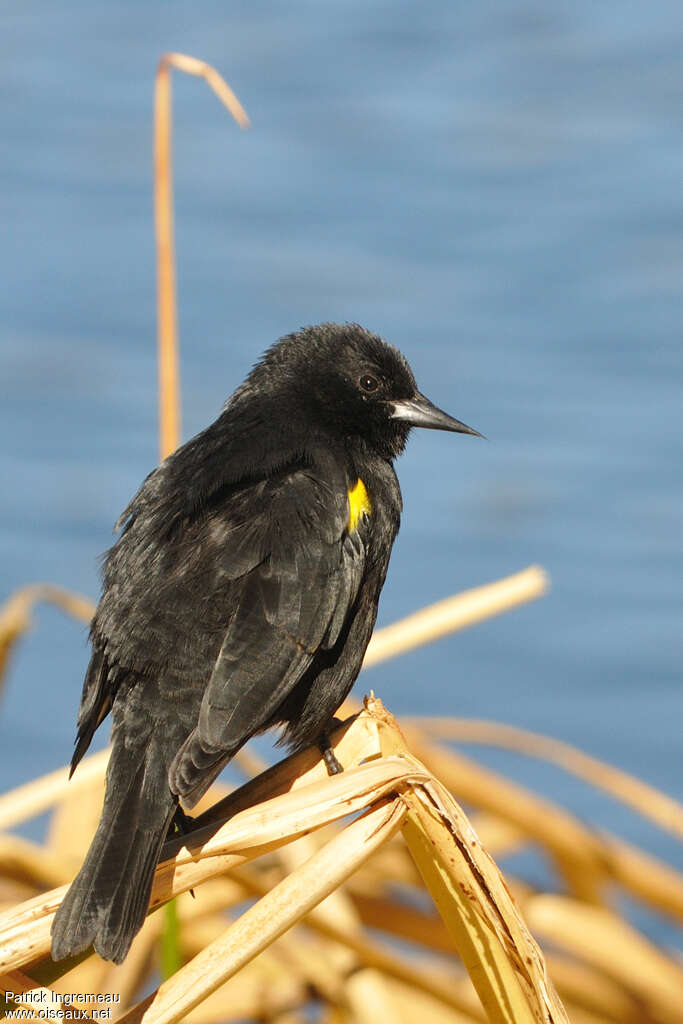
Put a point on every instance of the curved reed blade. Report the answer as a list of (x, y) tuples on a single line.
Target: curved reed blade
[(652, 803), (15, 613), (457, 612), (167, 314)]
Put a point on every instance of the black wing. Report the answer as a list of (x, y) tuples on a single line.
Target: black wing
[(289, 606)]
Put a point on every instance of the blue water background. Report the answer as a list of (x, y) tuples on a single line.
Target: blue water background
[(494, 187)]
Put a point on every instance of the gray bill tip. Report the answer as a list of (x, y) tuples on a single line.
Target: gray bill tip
[(420, 412)]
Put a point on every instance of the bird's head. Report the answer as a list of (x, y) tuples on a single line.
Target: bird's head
[(353, 384)]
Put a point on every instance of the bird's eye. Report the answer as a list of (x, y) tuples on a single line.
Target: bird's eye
[(368, 382)]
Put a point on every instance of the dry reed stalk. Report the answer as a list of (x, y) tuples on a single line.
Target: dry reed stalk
[(585, 859), (416, 1005), (315, 963), (169, 388), (489, 944), (652, 803), (499, 837), (602, 939), (15, 613), (346, 739), (75, 818), (271, 916), (33, 798), (503, 961), (262, 989), (366, 993), (24, 861), (372, 954), (589, 989), (456, 612), (403, 921), (207, 852), (489, 921)]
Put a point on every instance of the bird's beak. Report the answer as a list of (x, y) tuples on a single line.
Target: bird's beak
[(420, 412)]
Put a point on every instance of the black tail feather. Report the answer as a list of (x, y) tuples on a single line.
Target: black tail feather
[(107, 901)]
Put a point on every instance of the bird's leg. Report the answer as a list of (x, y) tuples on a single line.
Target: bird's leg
[(181, 823), (329, 757)]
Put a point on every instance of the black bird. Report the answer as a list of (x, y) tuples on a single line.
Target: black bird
[(241, 594)]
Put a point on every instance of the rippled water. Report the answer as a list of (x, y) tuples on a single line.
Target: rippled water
[(496, 188)]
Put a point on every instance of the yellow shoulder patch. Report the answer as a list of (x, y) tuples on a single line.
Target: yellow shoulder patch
[(359, 504)]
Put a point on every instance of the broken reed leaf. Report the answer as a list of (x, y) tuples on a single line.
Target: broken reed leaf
[(205, 853), (502, 958), (409, 770), (274, 913), (201, 69)]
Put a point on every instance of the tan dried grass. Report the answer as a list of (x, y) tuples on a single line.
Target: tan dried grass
[(297, 799)]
